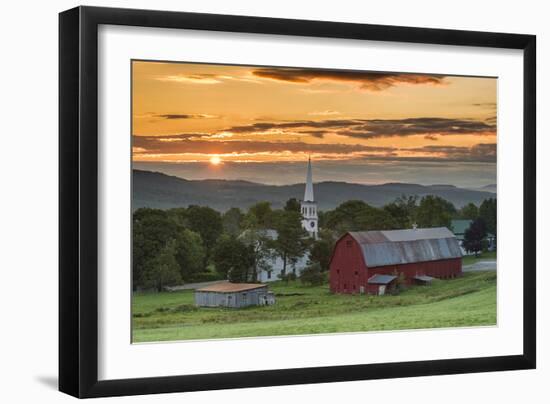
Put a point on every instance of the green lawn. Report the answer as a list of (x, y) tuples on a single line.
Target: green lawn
[(472, 259), (466, 301)]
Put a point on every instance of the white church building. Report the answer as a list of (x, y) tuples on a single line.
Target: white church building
[(310, 223)]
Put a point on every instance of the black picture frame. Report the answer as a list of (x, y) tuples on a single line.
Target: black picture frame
[(78, 200)]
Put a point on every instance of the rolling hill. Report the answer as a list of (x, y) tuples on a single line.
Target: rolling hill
[(157, 190)]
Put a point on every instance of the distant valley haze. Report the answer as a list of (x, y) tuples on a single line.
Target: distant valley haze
[(464, 175), (158, 190)]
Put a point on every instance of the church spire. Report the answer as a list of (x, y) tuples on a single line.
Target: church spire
[(308, 195)]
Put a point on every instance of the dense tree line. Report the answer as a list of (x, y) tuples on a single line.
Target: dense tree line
[(484, 223), (198, 243)]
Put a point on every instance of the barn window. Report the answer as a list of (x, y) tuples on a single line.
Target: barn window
[(356, 273), (244, 297), (349, 243), (338, 271), (268, 274)]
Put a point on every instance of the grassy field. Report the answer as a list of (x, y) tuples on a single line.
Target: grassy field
[(472, 259), (466, 301)]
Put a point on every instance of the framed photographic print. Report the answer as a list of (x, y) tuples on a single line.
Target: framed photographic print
[(251, 201)]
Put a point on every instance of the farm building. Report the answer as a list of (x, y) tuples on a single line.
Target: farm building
[(272, 265), (227, 294), (380, 284), (460, 226), (417, 255)]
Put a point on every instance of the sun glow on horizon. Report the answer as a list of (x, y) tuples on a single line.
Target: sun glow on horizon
[(215, 160)]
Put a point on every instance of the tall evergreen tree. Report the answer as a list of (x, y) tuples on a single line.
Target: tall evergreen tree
[(474, 236), (488, 212)]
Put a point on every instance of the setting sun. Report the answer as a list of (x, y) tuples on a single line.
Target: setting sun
[(215, 160)]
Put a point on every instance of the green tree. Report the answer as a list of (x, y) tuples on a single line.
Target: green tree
[(233, 259), (232, 221), (488, 212), (178, 216), (190, 254), (262, 214), (434, 211), (208, 224), (402, 210), (151, 231), (376, 219), (312, 275), (469, 211), (320, 251), (358, 216), (259, 243), (474, 236), (293, 205), (163, 269), (291, 242)]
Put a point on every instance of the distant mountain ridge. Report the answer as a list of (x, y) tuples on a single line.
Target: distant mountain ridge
[(158, 190)]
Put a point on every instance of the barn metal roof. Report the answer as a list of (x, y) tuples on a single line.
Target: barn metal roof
[(392, 247), (227, 287), (379, 279)]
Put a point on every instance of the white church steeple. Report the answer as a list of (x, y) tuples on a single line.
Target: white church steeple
[(308, 195), (309, 206)]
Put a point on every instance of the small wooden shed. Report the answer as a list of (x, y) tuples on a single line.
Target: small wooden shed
[(236, 295), (381, 284)]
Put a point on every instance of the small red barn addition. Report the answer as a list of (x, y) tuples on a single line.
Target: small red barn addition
[(416, 254)]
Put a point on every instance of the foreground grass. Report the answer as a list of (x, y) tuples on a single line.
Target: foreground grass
[(484, 256), (466, 301)]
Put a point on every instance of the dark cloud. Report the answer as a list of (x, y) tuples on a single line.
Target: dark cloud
[(491, 120), (365, 80), (192, 144), (184, 116), (418, 126), (265, 126), (315, 133), (482, 152), (485, 104), (376, 128)]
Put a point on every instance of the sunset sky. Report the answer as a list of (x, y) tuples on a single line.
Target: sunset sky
[(261, 123)]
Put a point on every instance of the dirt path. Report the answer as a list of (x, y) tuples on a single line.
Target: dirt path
[(485, 265)]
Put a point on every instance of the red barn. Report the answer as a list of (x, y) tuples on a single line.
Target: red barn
[(418, 254)]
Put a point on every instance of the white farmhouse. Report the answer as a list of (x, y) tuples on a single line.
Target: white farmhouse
[(273, 264)]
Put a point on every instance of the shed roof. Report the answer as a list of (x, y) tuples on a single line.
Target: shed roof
[(392, 247), (227, 287), (379, 279)]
